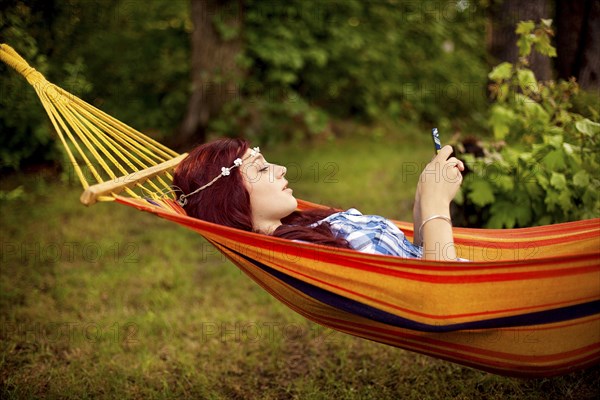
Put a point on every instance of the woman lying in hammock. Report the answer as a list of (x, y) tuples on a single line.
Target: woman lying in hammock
[(228, 183)]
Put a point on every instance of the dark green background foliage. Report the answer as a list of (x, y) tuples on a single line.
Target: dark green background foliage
[(129, 58), (306, 60), (303, 63)]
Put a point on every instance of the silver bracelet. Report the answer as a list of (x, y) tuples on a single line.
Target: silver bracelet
[(432, 218)]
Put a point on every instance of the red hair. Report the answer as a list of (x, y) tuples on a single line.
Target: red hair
[(227, 201)]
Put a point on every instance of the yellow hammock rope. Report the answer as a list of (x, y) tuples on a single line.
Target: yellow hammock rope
[(528, 304), (97, 144)]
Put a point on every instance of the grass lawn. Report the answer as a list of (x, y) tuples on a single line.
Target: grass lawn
[(108, 302)]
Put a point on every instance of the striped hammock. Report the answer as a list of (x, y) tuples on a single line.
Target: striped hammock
[(527, 305)]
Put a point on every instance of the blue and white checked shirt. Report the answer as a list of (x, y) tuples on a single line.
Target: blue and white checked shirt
[(371, 234)]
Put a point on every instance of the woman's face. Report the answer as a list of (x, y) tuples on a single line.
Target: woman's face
[(270, 198)]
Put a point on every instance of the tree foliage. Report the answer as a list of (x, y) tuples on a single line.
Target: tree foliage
[(308, 61)]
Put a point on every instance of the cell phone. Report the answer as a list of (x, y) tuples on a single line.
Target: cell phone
[(437, 145)]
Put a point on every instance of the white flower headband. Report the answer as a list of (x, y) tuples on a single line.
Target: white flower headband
[(182, 200)]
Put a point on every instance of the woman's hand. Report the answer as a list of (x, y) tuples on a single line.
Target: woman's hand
[(437, 186), (439, 182)]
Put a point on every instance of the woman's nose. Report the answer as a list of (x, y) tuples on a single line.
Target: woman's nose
[(282, 171)]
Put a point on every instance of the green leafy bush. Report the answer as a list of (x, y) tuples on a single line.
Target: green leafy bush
[(543, 166)]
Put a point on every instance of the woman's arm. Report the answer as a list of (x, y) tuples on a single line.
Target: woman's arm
[(438, 184), (417, 239)]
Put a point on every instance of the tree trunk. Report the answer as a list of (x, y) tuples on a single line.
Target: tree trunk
[(214, 70), (502, 39), (578, 41)]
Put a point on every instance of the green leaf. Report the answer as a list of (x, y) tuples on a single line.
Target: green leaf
[(554, 160), (551, 200), (499, 221), (525, 27), (581, 179), (543, 45), (542, 181), (568, 148), (587, 127), (504, 183), (501, 119), (555, 141), (527, 81), (564, 200), (482, 193), (535, 113), (505, 214), (501, 130), (524, 43), (591, 200), (558, 181), (501, 72), (534, 190)]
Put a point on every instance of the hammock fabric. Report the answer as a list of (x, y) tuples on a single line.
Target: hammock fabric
[(527, 305)]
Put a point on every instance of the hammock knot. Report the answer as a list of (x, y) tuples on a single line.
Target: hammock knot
[(31, 74), (18, 63)]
